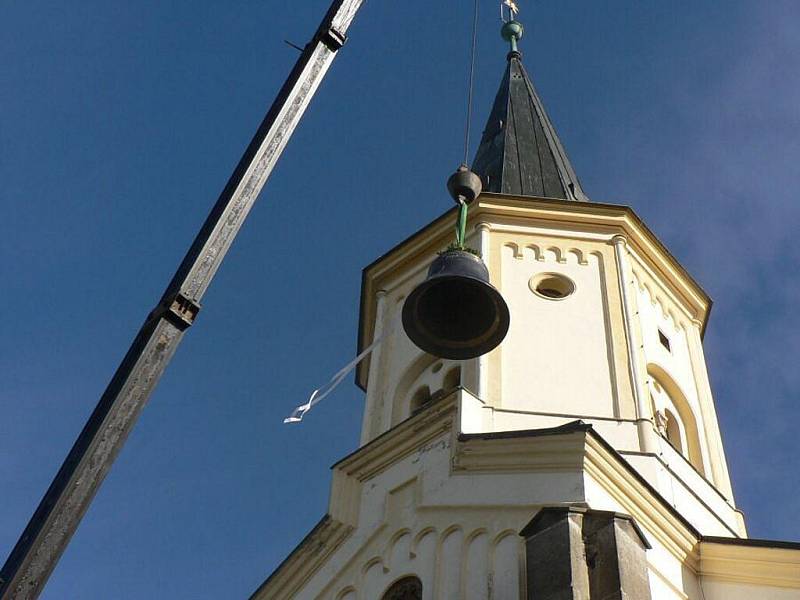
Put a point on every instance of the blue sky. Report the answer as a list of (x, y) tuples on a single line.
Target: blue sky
[(121, 123)]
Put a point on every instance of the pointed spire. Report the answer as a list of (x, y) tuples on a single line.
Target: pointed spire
[(520, 153)]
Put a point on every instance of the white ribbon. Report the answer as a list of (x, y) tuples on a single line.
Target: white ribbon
[(319, 394)]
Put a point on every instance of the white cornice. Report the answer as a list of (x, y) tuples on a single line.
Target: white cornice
[(750, 564), (639, 500), (400, 441), (553, 453)]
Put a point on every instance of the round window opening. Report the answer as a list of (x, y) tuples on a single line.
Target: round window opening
[(552, 286)]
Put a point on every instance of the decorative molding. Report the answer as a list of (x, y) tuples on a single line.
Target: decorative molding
[(640, 501), (634, 367), (573, 448), (418, 538), (617, 380), (388, 550), (656, 297), (304, 561), (348, 590), (400, 441), (508, 214), (750, 564), (372, 410), (549, 453), (581, 450), (540, 252), (668, 297), (517, 253), (580, 255)]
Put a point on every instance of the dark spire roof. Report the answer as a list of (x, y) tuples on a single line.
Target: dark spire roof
[(520, 153)]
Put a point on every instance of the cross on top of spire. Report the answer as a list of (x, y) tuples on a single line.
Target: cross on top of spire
[(512, 9)]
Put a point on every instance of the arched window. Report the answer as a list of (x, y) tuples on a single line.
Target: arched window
[(407, 588), (674, 417), (452, 379), (673, 430), (420, 398), (426, 380)]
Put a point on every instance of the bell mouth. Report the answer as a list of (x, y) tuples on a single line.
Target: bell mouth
[(456, 313)]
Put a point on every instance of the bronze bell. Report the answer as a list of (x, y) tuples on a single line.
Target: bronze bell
[(456, 313)]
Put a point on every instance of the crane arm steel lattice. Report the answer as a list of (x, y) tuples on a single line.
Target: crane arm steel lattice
[(59, 513)]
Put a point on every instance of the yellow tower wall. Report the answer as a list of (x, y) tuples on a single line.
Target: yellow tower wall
[(597, 355)]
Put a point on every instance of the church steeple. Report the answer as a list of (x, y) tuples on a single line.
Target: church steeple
[(593, 420), (520, 153)]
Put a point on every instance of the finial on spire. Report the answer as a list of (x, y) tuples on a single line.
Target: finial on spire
[(512, 32), (520, 153), (512, 29)]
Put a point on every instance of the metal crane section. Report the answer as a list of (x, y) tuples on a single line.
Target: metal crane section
[(58, 515)]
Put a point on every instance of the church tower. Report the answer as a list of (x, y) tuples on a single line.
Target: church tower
[(582, 457)]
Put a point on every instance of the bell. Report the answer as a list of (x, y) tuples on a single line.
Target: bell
[(456, 313)]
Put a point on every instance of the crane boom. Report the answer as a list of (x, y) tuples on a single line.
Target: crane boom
[(58, 515)]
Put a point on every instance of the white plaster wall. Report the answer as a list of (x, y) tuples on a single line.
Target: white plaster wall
[(559, 356), (457, 530), (661, 588), (556, 356), (460, 546), (465, 553), (455, 564)]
